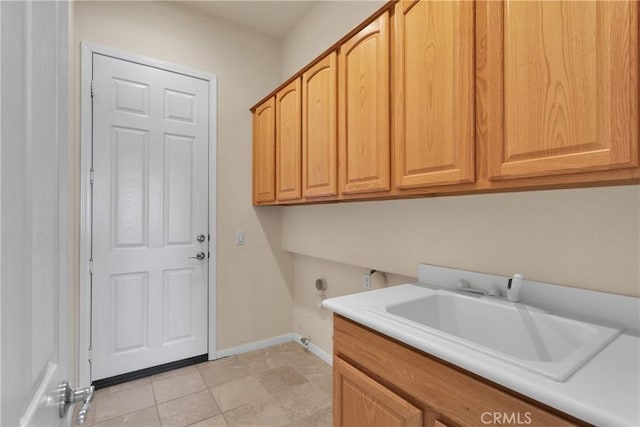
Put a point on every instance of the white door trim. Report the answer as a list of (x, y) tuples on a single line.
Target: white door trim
[(84, 316)]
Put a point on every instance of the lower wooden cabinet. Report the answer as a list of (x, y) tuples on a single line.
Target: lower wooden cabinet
[(379, 382), (362, 402)]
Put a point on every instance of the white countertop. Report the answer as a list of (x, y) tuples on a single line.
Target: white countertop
[(604, 392)]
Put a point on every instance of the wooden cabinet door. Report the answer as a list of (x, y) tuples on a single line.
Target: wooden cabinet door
[(319, 128), (558, 86), (434, 140), (288, 145), (264, 151), (359, 401), (363, 104)]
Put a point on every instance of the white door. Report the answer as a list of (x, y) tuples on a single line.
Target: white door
[(33, 123), (150, 216)]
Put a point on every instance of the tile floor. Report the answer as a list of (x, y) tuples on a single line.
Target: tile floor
[(283, 385)]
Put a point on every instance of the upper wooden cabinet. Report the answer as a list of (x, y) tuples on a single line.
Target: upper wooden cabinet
[(264, 150), (319, 128), (559, 82), (288, 145), (431, 97), (363, 109), (434, 140)]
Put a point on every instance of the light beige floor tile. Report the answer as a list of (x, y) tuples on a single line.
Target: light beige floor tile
[(278, 379), (321, 418), (172, 387), (217, 421), (121, 387), (144, 418), (261, 414), (323, 381), (304, 361), (174, 373), (302, 401), (188, 410), (238, 393), (223, 371), (132, 399)]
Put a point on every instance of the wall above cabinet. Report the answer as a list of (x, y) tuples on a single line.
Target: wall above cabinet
[(428, 98)]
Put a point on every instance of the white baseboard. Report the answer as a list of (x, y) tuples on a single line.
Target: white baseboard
[(257, 345), (316, 350)]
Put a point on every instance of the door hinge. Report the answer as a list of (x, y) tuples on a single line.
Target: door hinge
[(91, 266), (92, 88), (91, 176), (90, 354)]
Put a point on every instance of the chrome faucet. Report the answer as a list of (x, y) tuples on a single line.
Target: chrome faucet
[(513, 287), (465, 286)]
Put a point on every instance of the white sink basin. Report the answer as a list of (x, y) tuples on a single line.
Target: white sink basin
[(541, 342)]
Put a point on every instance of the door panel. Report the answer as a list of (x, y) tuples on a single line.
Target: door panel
[(129, 306), (34, 211), (179, 187), (130, 187), (178, 305), (150, 156)]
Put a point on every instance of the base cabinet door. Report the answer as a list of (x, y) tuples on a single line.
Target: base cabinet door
[(559, 82), (359, 401)]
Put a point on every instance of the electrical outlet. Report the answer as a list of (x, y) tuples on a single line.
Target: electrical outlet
[(366, 282)]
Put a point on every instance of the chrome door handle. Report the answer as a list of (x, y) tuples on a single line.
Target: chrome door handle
[(69, 396), (199, 256)]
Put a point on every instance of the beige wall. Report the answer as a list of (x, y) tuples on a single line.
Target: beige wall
[(324, 25), (341, 279), (254, 298), (588, 238)]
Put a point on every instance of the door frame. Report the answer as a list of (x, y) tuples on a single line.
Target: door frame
[(86, 131)]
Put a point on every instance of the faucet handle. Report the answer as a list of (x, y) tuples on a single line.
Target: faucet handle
[(513, 287)]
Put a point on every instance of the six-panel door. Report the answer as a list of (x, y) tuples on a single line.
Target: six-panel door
[(150, 202), (363, 103), (319, 128), (560, 86), (264, 152), (288, 142), (434, 93)]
